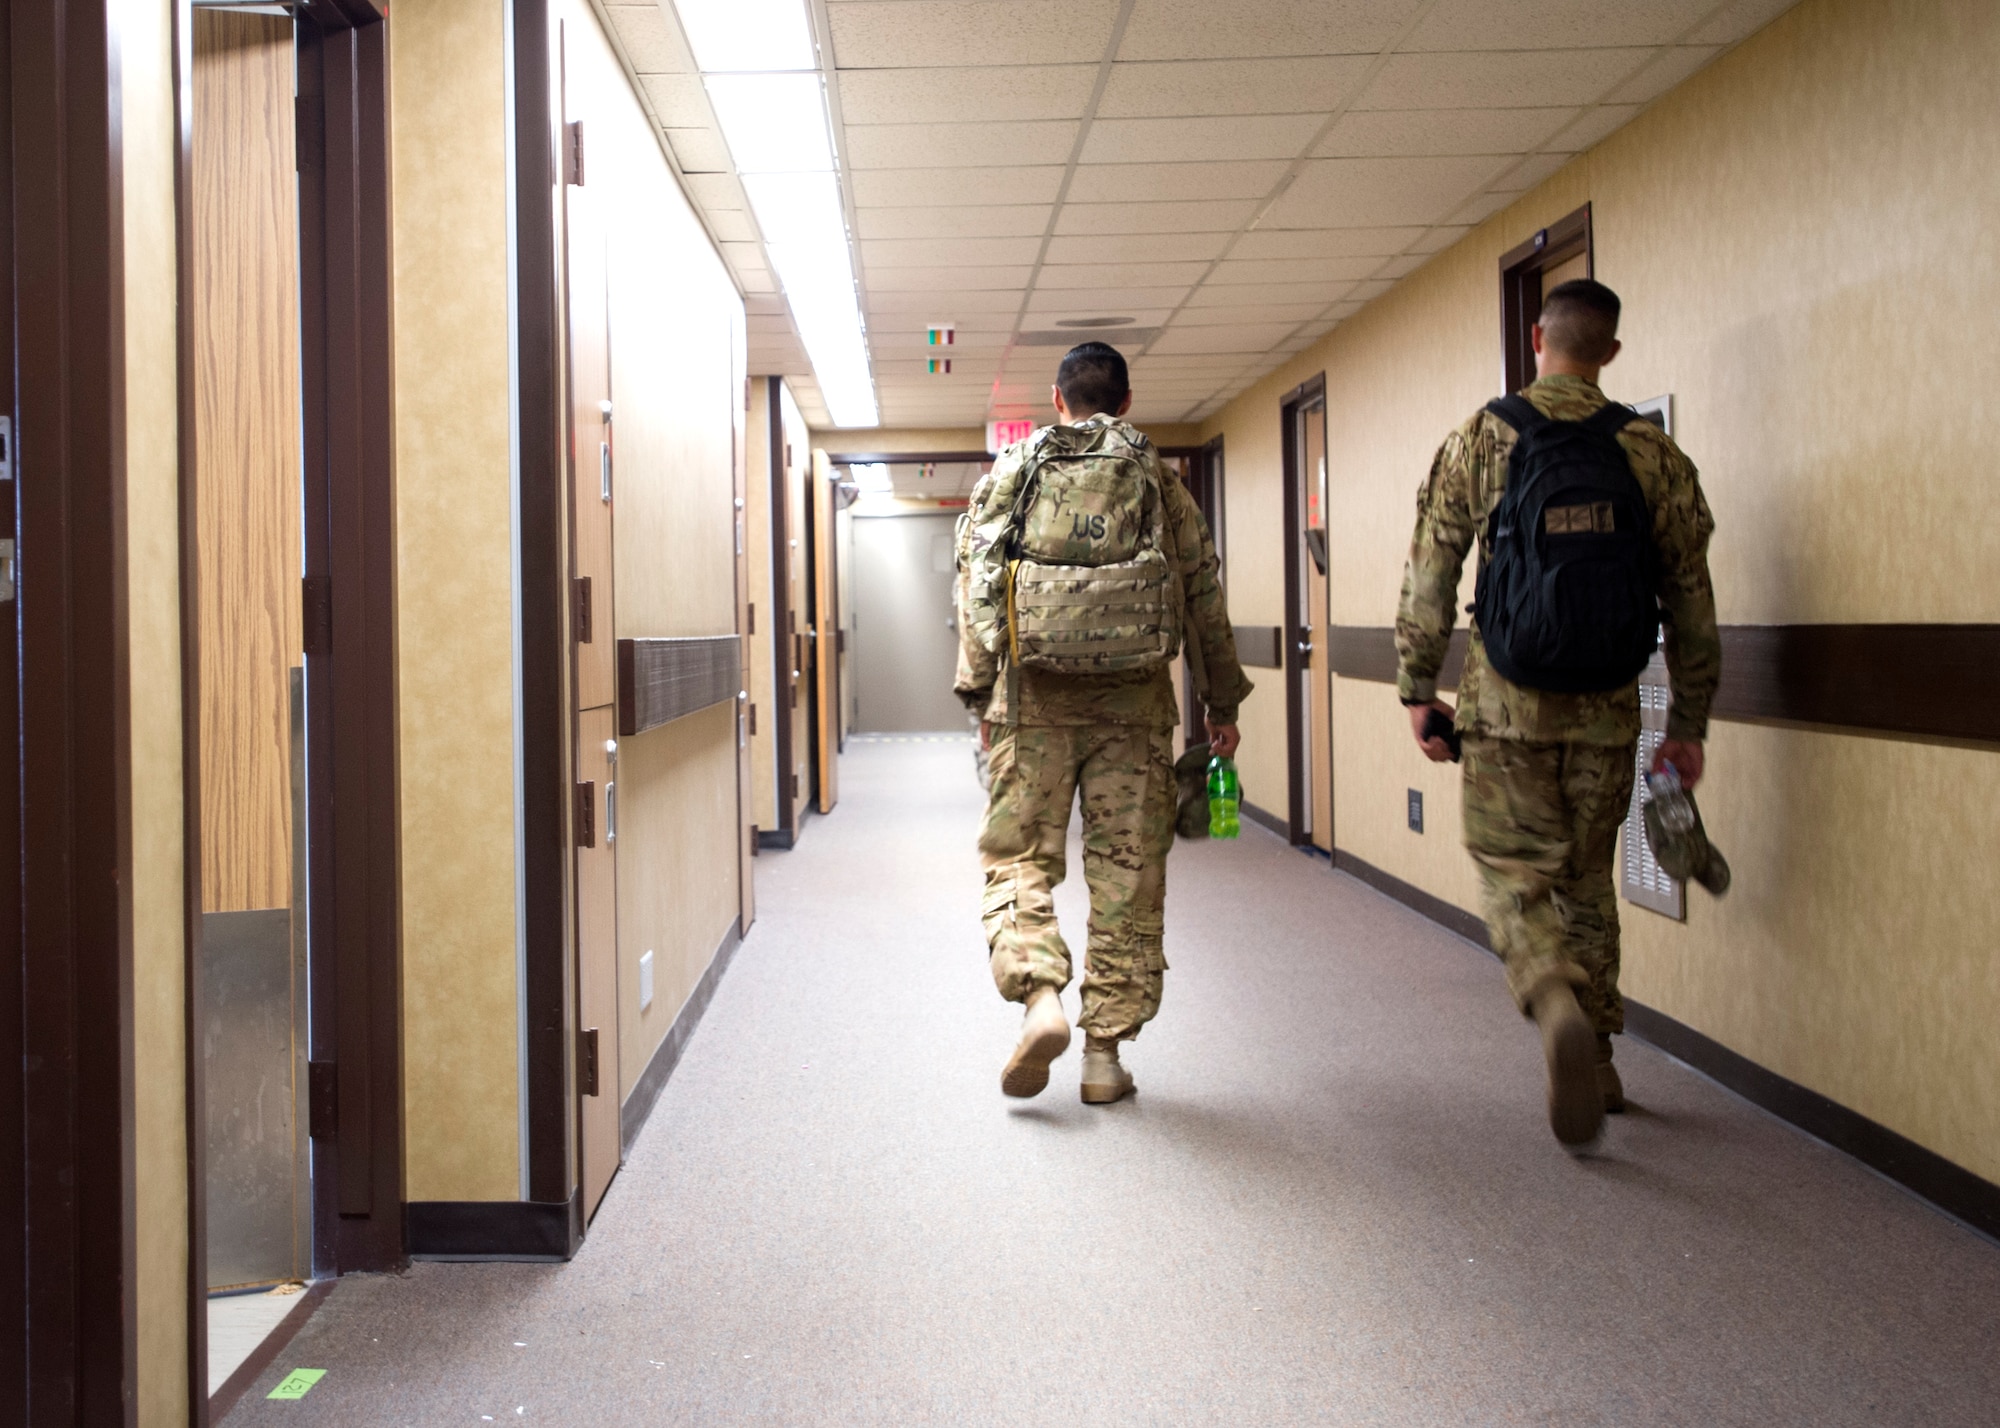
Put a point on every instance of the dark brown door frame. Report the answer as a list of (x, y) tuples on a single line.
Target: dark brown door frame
[(1298, 793), (543, 522), (784, 621), (1204, 470), (68, 1343), (1521, 269)]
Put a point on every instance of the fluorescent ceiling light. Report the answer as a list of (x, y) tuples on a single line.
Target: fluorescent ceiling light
[(774, 123), (760, 70), (872, 480), (731, 36)]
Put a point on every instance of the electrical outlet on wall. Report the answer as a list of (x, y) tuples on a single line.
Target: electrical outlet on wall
[(646, 980), (1416, 810)]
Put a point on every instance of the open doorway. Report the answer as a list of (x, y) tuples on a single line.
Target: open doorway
[(1308, 662), (1554, 255)]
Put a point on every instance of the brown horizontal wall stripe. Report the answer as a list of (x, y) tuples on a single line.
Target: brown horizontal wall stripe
[(1935, 682), (663, 680)]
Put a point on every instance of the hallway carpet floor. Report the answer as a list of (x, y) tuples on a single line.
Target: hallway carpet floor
[(1334, 1200)]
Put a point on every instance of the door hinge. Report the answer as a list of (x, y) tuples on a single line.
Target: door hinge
[(586, 815), (840, 642), (308, 134), (316, 611), (751, 619), (322, 1099), (573, 152), (753, 721), (795, 786), (580, 614), (586, 1061)]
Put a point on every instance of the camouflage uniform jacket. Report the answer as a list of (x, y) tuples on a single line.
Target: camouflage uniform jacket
[(1467, 477), (1143, 696)]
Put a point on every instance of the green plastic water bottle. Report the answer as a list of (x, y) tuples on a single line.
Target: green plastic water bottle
[(1224, 793)]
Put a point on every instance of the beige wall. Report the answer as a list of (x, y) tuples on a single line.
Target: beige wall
[(676, 325), (1798, 233), (455, 603), (152, 575)]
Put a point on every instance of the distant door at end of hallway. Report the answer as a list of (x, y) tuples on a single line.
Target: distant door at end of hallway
[(905, 630)]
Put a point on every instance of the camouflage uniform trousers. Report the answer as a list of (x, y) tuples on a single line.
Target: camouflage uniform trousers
[(1542, 821), (1125, 775)]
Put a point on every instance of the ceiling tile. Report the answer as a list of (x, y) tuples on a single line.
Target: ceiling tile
[(898, 306), (1257, 337), (1293, 270), (1402, 267), (1531, 171), (1138, 248), (679, 101), (731, 225), (1011, 277), (1325, 242), (699, 151), (883, 253), (1252, 294), (1666, 70), (1375, 193), (1201, 29), (910, 338), (886, 34), (1045, 304), (1522, 79), (651, 39), (1552, 24), (1593, 126), (1230, 137), (924, 188), (1402, 133), (1119, 275), (959, 146), (1739, 21), (1020, 220), (1480, 207), (769, 307), (1244, 314), (713, 191), (1196, 216), (1319, 84), (1436, 240), (1146, 183), (988, 93)]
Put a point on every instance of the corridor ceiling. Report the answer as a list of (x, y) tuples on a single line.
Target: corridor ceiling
[(1229, 179)]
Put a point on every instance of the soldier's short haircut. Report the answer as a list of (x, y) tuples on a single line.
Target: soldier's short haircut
[(1093, 378), (1580, 319)]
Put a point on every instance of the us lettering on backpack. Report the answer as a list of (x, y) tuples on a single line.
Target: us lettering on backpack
[(1567, 600), (1067, 561)]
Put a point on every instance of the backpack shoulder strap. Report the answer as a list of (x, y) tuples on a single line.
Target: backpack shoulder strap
[(1611, 418), (1518, 412)]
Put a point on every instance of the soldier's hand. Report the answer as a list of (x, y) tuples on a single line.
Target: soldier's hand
[(1435, 749), (1223, 739), (1686, 757)]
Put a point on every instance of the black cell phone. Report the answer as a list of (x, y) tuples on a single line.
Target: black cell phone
[(1438, 725)]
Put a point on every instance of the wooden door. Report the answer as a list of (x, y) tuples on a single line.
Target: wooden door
[(1315, 618), (594, 669), (798, 625), (826, 637), (746, 798)]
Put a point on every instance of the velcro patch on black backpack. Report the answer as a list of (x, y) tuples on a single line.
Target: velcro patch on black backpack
[(1567, 599)]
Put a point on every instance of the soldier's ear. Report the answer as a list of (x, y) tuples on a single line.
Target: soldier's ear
[(1124, 406), (1616, 347)]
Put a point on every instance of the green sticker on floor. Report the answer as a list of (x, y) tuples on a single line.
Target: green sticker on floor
[(297, 1384)]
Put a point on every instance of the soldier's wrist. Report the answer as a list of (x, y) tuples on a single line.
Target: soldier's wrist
[(1415, 689)]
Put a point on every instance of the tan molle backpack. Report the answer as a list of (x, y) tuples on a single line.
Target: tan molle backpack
[(1067, 560)]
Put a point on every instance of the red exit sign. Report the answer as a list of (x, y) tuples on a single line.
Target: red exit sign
[(1001, 434)]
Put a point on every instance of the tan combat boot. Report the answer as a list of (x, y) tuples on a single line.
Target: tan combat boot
[(1104, 1080), (1576, 1104), (1607, 1077), (1044, 1037)]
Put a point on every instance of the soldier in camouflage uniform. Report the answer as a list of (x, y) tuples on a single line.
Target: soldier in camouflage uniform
[(1548, 776), (1108, 740)]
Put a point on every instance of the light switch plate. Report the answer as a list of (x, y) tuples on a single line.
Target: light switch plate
[(1416, 810), (646, 980)]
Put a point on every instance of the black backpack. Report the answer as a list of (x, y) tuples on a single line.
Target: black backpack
[(1567, 601)]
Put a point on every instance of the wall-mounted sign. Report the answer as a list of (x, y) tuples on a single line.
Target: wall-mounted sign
[(938, 366), (1008, 431), (941, 334)]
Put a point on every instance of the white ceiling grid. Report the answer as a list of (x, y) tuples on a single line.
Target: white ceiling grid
[(1234, 179)]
